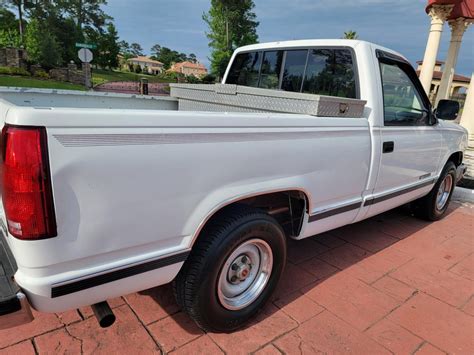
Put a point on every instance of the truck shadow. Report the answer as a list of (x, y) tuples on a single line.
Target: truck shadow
[(314, 260)]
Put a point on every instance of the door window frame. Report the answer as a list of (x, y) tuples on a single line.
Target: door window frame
[(405, 66)]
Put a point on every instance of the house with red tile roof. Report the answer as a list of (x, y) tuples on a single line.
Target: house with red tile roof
[(189, 68), (147, 64)]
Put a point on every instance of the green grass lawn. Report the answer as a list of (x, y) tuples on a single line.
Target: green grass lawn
[(100, 76), (27, 82)]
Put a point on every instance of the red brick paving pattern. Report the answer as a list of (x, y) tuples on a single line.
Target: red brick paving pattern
[(392, 284)]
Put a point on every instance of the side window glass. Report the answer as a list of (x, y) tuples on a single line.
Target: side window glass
[(271, 69), (293, 72), (344, 74), (245, 69), (402, 103), (330, 72), (318, 71)]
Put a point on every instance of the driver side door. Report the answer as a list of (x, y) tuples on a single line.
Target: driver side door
[(411, 145)]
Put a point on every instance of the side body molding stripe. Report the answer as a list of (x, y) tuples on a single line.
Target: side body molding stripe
[(115, 275), (369, 202), (375, 200), (329, 213)]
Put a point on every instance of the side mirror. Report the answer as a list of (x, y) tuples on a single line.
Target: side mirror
[(447, 110)]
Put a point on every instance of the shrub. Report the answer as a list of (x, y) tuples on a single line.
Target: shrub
[(137, 69), (9, 38), (192, 79), (41, 74), (208, 79), (171, 76), (14, 71), (42, 46)]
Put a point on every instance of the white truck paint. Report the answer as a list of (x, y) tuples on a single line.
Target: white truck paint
[(134, 179)]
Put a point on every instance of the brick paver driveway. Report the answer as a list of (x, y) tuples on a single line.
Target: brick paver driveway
[(390, 284)]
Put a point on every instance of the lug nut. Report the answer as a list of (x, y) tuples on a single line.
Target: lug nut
[(234, 267), (233, 279), (244, 259)]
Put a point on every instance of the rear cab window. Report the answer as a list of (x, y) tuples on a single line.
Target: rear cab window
[(245, 69), (270, 70), (322, 71)]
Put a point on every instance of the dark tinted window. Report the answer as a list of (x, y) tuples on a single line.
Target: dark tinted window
[(330, 72), (245, 69), (293, 72), (271, 69), (402, 103)]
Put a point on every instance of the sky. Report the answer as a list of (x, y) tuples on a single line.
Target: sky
[(401, 25)]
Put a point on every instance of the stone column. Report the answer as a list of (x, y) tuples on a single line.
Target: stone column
[(458, 27), (467, 118), (438, 14), (467, 121)]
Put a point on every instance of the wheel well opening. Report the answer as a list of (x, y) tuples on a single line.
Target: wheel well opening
[(287, 207), (456, 158)]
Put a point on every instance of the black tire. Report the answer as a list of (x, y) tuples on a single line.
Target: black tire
[(426, 207), (196, 285)]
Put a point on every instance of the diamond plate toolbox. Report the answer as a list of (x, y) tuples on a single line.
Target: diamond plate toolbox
[(236, 98)]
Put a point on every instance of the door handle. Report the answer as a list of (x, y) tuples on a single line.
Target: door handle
[(388, 147)]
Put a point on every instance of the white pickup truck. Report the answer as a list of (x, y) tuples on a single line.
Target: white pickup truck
[(104, 195)]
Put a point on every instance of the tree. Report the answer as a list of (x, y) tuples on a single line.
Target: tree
[(125, 50), (18, 5), (42, 46), (168, 57), (192, 58), (7, 20), (155, 50), (108, 48), (350, 35), (87, 13), (9, 34), (67, 34), (136, 49), (124, 47), (231, 24)]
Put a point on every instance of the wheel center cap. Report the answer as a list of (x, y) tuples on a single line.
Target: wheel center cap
[(243, 272)]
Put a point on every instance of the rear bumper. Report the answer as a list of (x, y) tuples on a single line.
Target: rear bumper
[(77, 285), (460, 171), (14, 306)]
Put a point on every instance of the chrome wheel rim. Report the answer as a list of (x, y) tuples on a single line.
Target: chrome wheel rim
[(443, 192), (245, 274)]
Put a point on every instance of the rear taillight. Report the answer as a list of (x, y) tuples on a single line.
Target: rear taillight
[(26, 183)]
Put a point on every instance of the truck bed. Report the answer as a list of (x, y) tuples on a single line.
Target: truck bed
[(49, 98), (133, 178)]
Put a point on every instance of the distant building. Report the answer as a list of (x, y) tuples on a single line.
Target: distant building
[(459, 84), (189, 68), (147, 64)]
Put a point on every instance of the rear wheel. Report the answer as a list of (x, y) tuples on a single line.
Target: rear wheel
[(433, 206), (232, 270)]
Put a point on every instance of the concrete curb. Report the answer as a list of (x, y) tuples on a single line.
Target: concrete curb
[(462, 194)]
